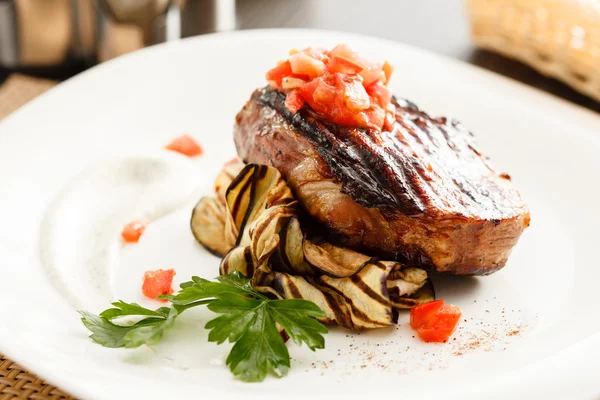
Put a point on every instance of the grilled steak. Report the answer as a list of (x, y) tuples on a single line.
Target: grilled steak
[(422, 194)]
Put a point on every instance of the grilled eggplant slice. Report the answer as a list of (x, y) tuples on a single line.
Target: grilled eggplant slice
[(209, 215), (334, 261), (208, 226), (259, 225), (225, 177)]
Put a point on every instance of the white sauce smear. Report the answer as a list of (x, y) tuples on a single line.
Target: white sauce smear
[(80, 234)]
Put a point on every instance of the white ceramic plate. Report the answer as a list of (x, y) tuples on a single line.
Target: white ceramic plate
[(85, 158)]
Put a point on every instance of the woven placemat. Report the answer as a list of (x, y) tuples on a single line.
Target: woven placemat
[(16, 382), (19, 89)]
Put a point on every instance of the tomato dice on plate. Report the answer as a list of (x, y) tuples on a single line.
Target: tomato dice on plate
[(157, 283), (185, 145), (421, 315), (435, 321), (132, 232)]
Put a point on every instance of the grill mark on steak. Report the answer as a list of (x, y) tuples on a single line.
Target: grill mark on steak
[(433, 144), (422, 193), (353, 162), (396, 171)]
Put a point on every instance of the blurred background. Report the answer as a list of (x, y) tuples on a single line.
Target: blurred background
[(553, 45)]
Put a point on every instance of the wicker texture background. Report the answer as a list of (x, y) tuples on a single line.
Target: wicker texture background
[(18, 90), (17, 383), (559, 38)]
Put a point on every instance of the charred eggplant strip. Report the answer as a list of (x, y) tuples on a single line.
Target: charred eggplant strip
[(208, 226), (254, 223)]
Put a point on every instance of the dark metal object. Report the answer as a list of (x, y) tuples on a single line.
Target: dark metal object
[(141, 13), (206, 16), (78, 58), (9, 45)]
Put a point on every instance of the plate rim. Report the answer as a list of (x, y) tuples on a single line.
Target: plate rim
[(80, 390)]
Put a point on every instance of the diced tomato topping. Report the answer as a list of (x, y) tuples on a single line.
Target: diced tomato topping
[(157, 283), (379, 93), (387, 70), (185, 145), (277, 74), (304, 64), (339, 85), (435, 321), (345, 51), (319, 54), (355, 96), (343, 66), (289, 83), (372, 74), (341, 99), (320, 91), (132, 232), (282, 70), (294, 101)]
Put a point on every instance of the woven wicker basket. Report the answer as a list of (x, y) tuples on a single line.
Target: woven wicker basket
[(559, 38)]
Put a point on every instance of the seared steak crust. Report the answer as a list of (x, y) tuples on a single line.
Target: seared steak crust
[(422, 193)]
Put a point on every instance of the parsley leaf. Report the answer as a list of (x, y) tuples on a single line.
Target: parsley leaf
[(127, 309), (294, 316), (150, 333), (259, 350), (103, 332), (200, 288), (248, 319), (237, 316), (127, 333), (250, 323), (237, 280)]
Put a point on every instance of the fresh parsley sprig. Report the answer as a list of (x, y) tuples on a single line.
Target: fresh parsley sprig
[(248, 319)]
